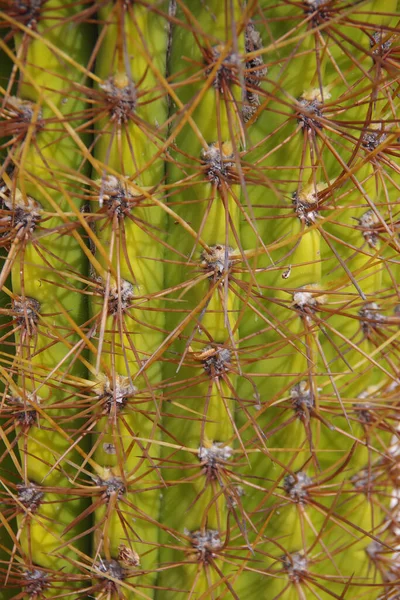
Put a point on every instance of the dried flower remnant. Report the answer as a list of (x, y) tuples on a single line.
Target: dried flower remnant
[(368, 223), (121, 97), (302, 399), (110, 568), (365, 413), (23, 109), (255, 71), (27, 11), (216, 361), (109, 448), (217, 260), (27, 312), (213, 457), (381, 43), (296, 566), (207, 543), (119, 298), (119, 197), (24, 412), (255, 68), (128, 557), (385, 559), (17, 115), (30, 496), (115, 394), (296, 486), (319, 10), (218, 162), (371, 318), (305, 202), (364, 480), (309, 111), (374, 137), (233, 496), (307, 301), (35, 582), (112, 485), (251, 104), (22, 214), (228, 69)]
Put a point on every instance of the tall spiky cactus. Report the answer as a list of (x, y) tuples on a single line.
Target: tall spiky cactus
[(199, 299)]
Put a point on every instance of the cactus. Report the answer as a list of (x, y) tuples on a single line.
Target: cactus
[(199, 300)]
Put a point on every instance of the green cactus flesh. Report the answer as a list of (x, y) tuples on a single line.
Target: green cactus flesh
[(199, 301)]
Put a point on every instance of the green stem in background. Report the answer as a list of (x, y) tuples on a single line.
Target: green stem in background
[(132, 105)]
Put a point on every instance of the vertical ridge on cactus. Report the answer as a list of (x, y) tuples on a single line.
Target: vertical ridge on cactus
[(199, 299), (43, 261), (128, 314), (201, 419)]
